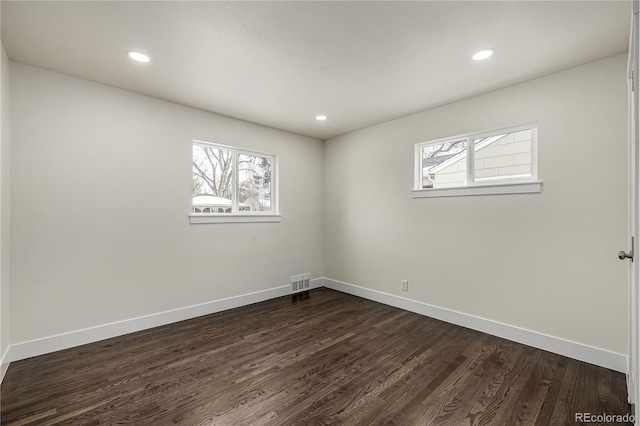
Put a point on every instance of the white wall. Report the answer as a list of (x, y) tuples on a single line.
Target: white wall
[(545, 262), (89, 160), (5, 189), (100, 202)]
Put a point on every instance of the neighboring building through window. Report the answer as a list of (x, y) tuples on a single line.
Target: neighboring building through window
[(503, 156), (232, 181)]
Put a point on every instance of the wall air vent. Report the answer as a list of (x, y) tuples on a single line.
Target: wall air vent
[(300, 283)]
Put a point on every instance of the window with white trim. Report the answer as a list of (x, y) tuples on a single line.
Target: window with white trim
[(230, 182), (497, 158)]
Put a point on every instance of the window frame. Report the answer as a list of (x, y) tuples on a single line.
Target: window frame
[(237, 216), (509, 185)]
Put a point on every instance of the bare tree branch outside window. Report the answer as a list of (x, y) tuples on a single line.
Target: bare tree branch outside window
[(213, 175)]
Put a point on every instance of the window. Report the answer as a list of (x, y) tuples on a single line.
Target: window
[(496, 162), (232, 185)]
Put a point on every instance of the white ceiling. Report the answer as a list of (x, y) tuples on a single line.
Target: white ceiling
[(282, 63)]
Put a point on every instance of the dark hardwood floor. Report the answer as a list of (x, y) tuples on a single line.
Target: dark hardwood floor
[(328, 359)]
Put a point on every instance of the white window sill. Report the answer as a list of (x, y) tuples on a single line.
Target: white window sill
[(496, 189), (229, 218)]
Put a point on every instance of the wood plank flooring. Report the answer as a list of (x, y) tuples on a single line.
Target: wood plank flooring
[(327, 359)]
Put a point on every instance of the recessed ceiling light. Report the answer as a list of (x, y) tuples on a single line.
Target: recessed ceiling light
[(138, 56), (482, 54), (321, 117)]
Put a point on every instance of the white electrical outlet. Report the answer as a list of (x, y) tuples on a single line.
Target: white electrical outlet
[(405, 285)]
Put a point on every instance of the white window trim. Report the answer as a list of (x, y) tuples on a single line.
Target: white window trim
[(510, 185), (244, 217), (232, 218)]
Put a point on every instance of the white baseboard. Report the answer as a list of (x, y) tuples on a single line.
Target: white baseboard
[(631, 388), (58, 342), (568, 348), (4, 363), (579, 351)]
